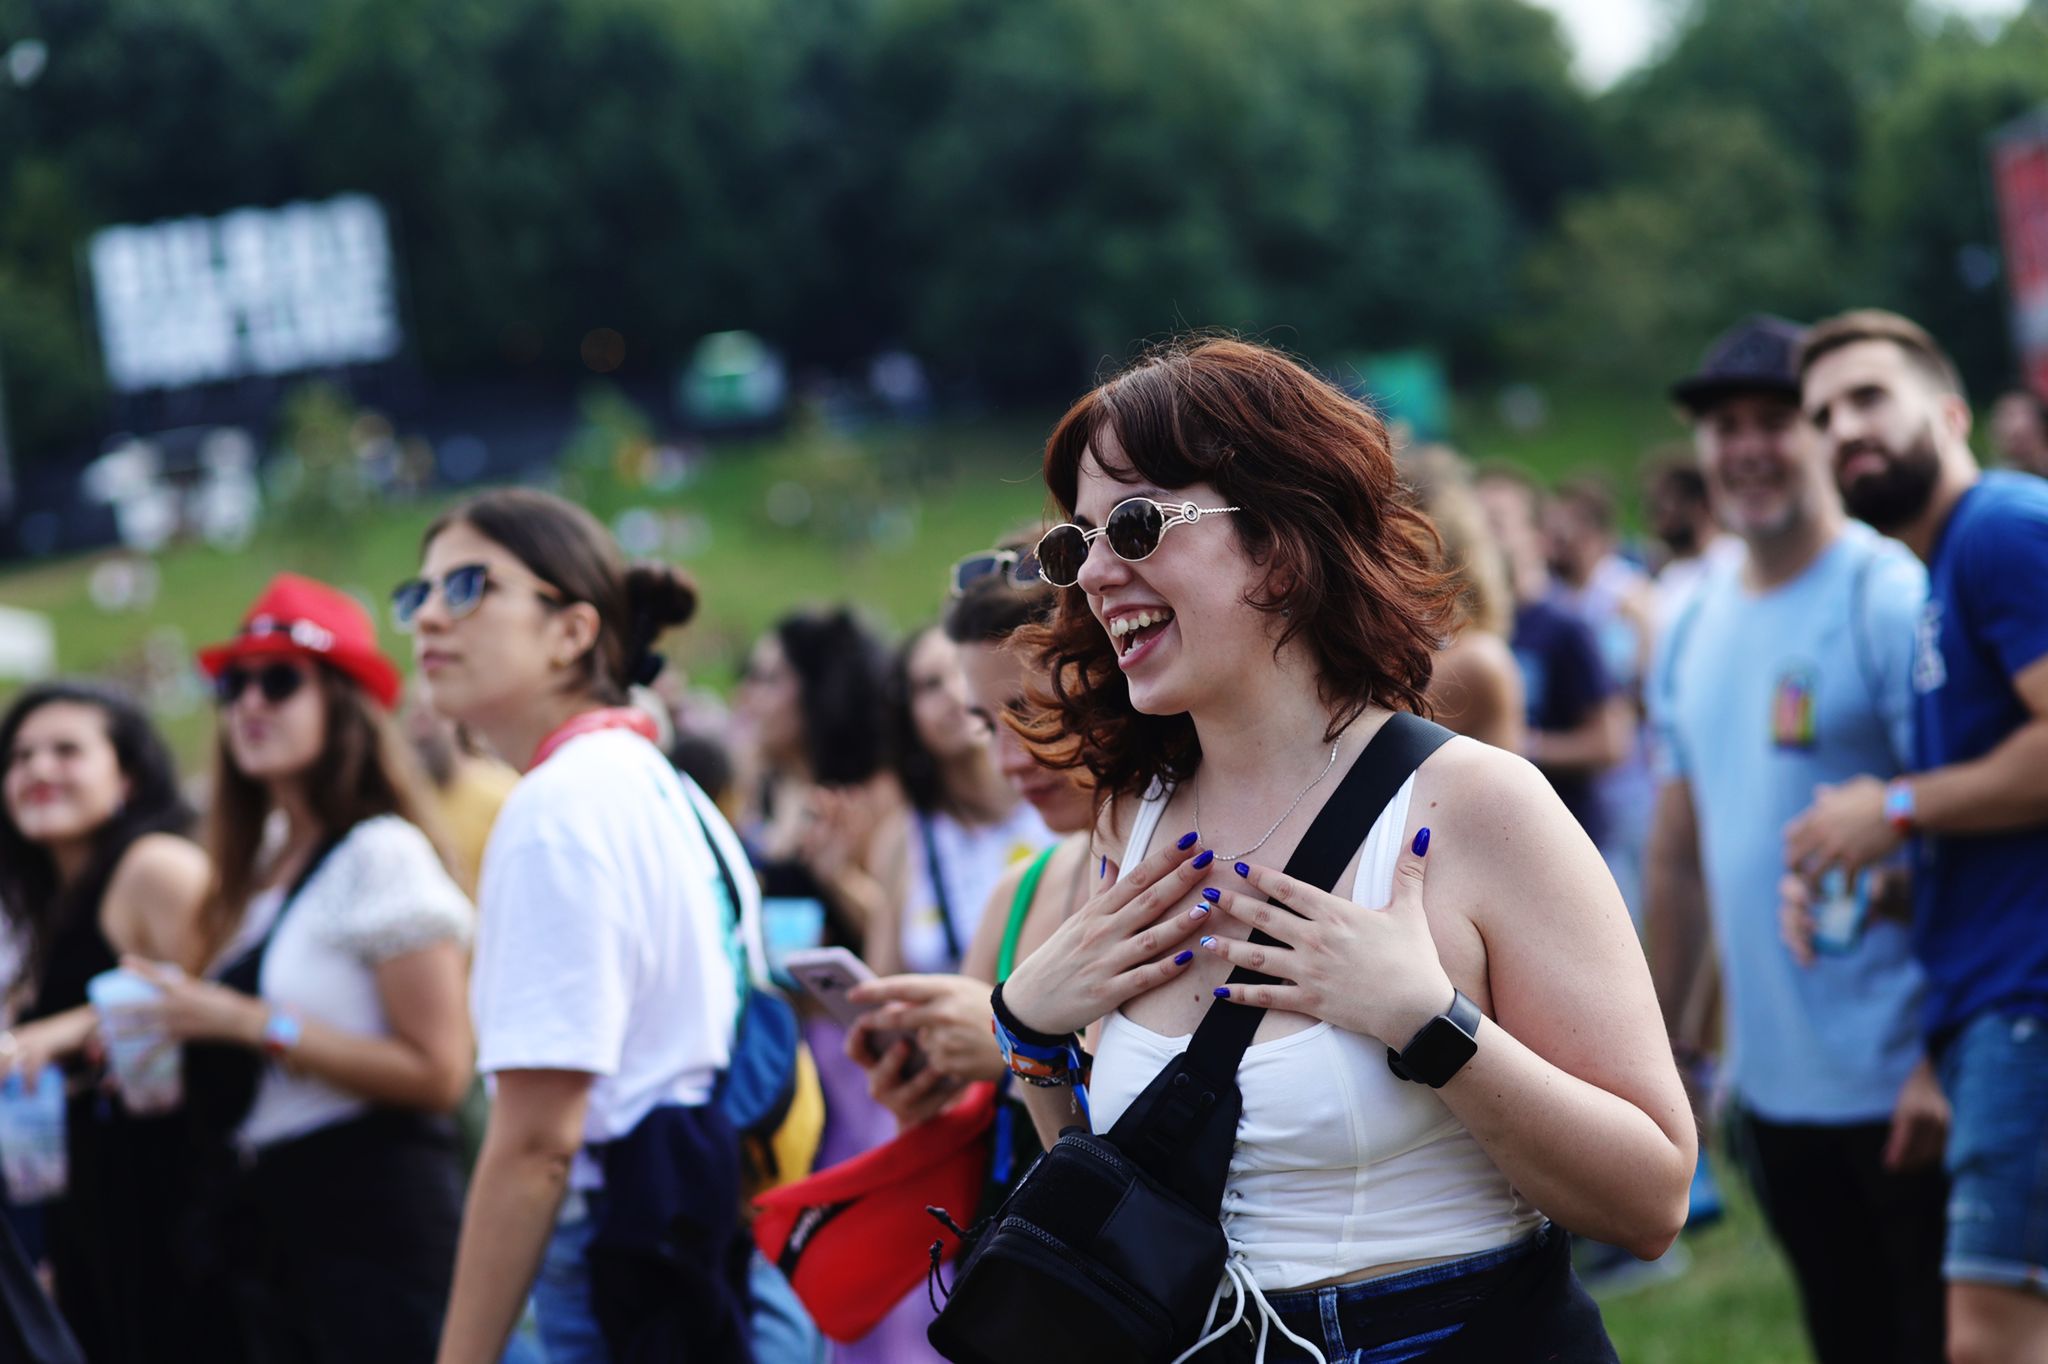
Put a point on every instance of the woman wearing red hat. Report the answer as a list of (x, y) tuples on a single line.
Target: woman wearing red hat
[(606, 983), (332, 1036)]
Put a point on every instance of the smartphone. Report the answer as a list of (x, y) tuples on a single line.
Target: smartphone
[(826, 974)]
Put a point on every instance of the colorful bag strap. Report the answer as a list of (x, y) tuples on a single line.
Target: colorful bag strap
[(1020, 910)]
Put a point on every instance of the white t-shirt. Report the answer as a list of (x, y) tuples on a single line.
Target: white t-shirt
[(380, 893), (972, 859), (602, 943)]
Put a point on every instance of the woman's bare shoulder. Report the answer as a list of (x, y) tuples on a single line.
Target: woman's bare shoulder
[(162, 879), (1487, 796), (161, 864), (1500, 834)]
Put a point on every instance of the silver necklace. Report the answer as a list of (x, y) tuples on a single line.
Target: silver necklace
[(1300, 796)]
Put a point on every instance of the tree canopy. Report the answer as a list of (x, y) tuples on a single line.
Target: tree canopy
[(1018, 192)]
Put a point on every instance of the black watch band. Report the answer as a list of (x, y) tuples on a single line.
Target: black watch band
[(1443, 1046)]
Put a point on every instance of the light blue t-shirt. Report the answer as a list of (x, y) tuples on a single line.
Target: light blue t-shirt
[(1757, 699)]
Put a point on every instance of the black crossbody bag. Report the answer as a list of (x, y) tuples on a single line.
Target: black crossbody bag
[(1110, 1249)]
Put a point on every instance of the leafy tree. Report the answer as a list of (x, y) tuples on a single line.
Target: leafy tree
[(1640, 277), (1809, 70), (1926, 192)]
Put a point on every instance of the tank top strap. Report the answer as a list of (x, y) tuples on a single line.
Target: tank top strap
[(1020, 910), (1150, 809)]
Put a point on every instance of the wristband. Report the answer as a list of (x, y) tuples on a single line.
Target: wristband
[(1901, 811), (1034, 1057), (281, 1033), (1009, 1022)]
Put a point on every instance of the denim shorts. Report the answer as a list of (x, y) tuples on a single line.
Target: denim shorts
[(1995, 1073), (568, 1332)]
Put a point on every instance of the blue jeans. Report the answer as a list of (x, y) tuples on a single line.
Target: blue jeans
[(783, 1332), (569, 1332), (1995, 1073), (1404, 1316)]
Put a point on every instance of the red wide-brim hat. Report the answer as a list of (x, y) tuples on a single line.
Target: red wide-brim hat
[(299, 618)]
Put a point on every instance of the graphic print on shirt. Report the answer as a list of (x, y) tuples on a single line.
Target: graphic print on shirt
[(1792, 723), (1930, 673)]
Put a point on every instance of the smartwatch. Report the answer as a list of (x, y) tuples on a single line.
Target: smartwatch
[(1443, 1046)]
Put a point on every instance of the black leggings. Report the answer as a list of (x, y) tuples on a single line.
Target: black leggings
[(344, 1242)]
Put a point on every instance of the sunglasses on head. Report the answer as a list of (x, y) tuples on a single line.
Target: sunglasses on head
[(1022, 569), (462, 590), (1134, 528), (276, 681)]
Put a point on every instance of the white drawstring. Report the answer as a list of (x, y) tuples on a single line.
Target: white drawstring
[(1237, 1281)]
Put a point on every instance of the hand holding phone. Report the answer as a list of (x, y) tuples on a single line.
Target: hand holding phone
[(827, 974)]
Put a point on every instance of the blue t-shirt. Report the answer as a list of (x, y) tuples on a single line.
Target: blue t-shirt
[(1563, 681), (1981, 901), (1757, 697)]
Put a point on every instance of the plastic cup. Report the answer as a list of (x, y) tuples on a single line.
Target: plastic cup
[(1839, 914), (148, 1065), (33, 1158)]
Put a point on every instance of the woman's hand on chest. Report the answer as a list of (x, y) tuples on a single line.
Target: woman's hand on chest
[(1380, 972)]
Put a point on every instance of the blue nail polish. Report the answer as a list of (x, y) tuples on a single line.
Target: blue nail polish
[(1204, 858), (1199, 912), (1209, 941), (1244, 869), (1184, 958), (1102, 870), (1222, 992), (1422, 841), (1211, 894), (1187, 841)]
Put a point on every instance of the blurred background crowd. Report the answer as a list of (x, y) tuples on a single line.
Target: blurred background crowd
[(789, 293)]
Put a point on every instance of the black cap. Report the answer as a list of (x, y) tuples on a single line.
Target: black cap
[(1759, 354)]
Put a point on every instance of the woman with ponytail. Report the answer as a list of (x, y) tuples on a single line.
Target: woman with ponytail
[(606, 985)]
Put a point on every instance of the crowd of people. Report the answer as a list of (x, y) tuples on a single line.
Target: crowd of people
[(455, 988)]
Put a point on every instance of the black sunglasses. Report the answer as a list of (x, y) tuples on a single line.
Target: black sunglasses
[(277, 682), (1134, 526), (462, 589)]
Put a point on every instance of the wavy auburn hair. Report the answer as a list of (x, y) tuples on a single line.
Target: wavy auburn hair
[(1351, 565)]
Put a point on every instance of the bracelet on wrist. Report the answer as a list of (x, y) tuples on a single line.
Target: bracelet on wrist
[(1901, 810), (1037, 1058), (281, 1033), (1010, 1023)]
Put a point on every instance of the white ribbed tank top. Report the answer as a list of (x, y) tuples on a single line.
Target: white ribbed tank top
[(1339, 1166)]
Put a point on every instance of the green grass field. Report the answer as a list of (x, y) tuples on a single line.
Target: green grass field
[(766, 525)]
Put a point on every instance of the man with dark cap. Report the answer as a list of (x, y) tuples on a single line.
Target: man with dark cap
[(1790, 666), (1896, 426)]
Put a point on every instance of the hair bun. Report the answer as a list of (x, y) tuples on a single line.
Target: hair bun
[(659, 596)]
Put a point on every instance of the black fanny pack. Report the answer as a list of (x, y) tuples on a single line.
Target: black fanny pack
[(1111, 1249)]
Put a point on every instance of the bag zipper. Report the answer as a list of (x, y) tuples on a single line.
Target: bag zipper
[(1068, 1255)]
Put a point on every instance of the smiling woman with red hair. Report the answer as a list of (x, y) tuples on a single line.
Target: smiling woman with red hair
[(1251, 600)]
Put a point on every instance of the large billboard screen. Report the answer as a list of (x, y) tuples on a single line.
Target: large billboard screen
[(2019, 159), (253, 292)]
